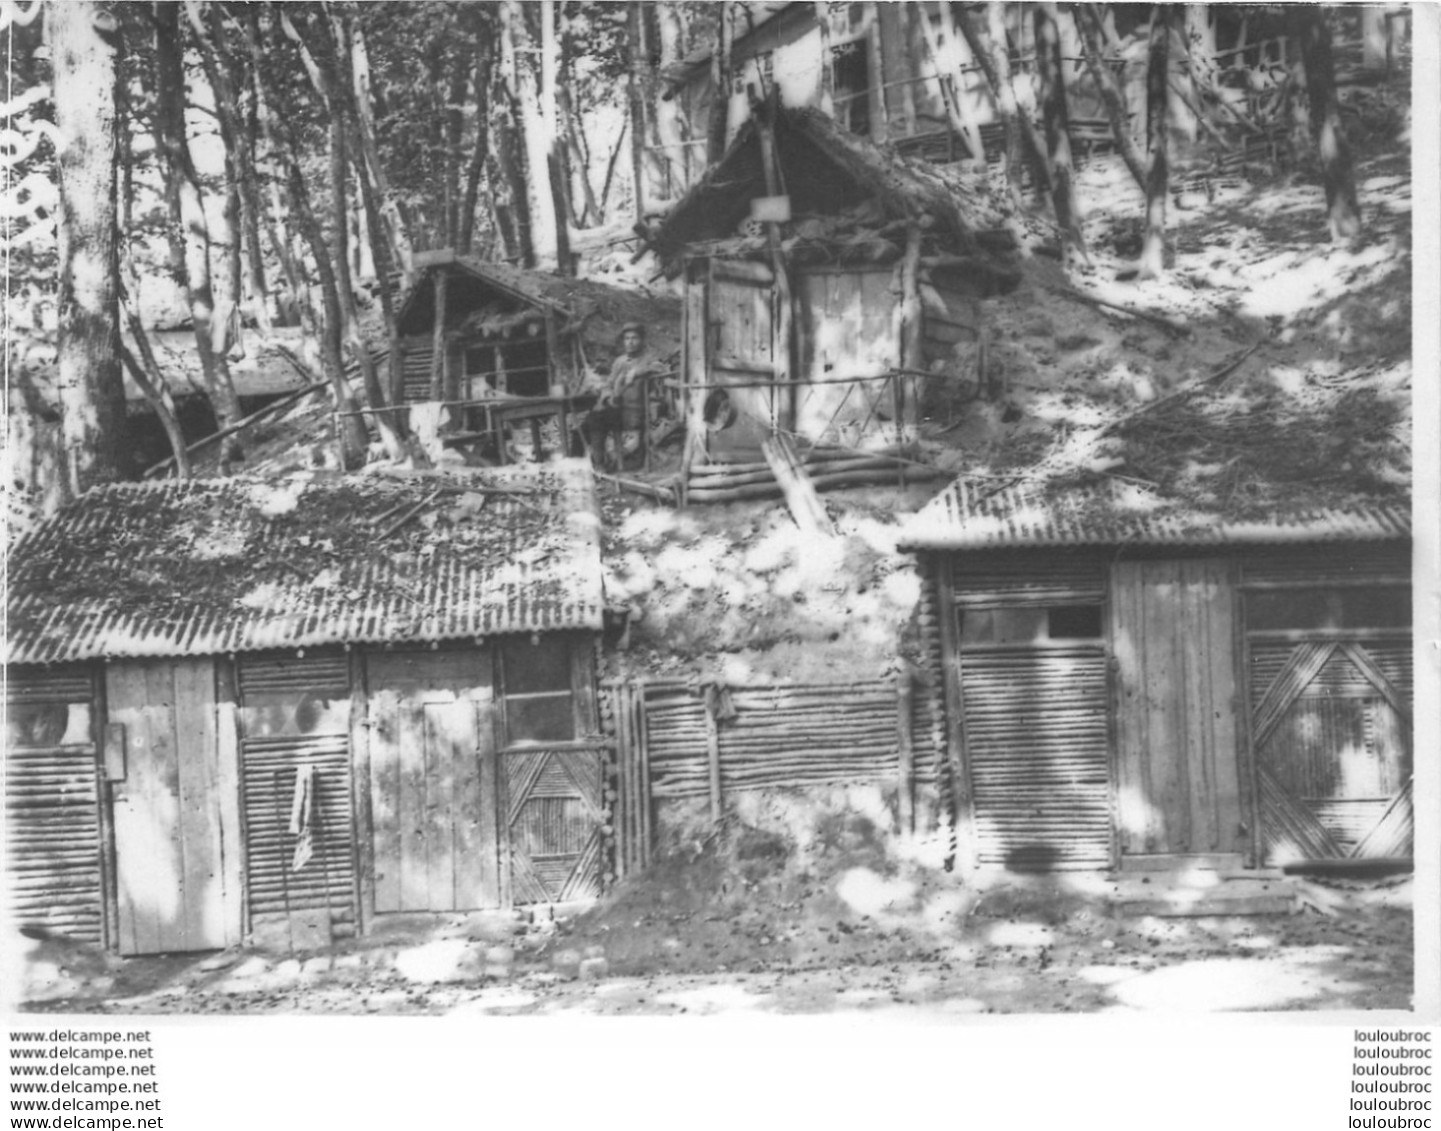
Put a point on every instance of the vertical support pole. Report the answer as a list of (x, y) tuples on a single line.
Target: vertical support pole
[(437, 338), (712, 740), (642, 776), (906, 755)]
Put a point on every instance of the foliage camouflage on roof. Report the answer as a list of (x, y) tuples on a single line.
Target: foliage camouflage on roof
[(203, 567), (825, 170), (594, 309)]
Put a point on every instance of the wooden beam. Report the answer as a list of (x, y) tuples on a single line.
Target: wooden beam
[(800, 494)]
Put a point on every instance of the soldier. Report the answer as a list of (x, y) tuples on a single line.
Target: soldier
[(623, 404)]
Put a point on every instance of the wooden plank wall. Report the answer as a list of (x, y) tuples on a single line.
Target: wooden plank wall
[(52, 803), (170, 841), (432, 771)]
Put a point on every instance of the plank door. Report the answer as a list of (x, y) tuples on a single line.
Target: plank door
[(432, 782), (1331, 729), (553, 823), (740, 298), (848, 330), (172, 786), (1178, 772)]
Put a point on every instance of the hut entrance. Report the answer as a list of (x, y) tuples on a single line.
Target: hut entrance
[(433, 781), (1331, 721), (744, 406), (173, 774), (1174, 639)]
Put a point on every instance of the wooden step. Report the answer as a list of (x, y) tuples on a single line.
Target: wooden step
[(1198, 894)]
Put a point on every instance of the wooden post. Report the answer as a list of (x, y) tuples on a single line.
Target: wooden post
[(712, 742), (437, 339), (905, 748), (956, 760), (643, 777), (783, 334)]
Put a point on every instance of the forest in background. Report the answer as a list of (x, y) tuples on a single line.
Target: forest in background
[(241, 167)]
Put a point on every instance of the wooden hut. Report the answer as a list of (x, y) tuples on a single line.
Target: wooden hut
[(826, 283), (1127, 685), (472, 331), (301, 706)]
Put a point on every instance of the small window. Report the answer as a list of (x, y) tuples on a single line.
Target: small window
[(1381, 606), (539, 703), (1075, 622), (47, 724), (850, 86), (1032, 624)]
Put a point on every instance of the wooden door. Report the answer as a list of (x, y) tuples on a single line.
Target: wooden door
[(174, 792), (1331, 730), (553, 823), (432, 781), (848, 331), (1178, 774), (740, 415)]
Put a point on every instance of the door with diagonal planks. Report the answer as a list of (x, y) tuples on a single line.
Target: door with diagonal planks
[(553, 824), (1331, 731)]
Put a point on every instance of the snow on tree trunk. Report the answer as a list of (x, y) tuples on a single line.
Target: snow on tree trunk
[(92, 396), (1158, 66), (1313, 33)]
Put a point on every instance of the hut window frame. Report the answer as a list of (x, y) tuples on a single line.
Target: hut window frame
[(1328, 608), (535, 699), (852, 84), (1031, 624)]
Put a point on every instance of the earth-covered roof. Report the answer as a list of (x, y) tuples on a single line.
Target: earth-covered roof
[(199, 567)]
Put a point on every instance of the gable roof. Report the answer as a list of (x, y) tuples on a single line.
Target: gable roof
[(976, 516), (198, 567), (825, 170)]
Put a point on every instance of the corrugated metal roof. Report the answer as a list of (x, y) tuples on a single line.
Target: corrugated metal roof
[(231, 565), (973, 516)]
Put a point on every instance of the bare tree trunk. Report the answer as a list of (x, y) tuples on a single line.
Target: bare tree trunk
[(353, 437), (395, 226), (526, 98), (718, 125), (670, 124), (1093, 45), (151, 382), (634, 18), (184, 187), (989, 50), (555, 173), (1158, 66), (948, 87), (480, 146), (589, 213), (92, 396), (1313, 33), (1058, 126)]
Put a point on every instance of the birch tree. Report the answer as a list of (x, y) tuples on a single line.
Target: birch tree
[(92, 396)]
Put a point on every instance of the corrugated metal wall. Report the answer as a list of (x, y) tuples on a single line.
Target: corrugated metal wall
[(52, 809), (1037, 746), (1036, 719), (295, 740)]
